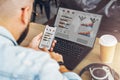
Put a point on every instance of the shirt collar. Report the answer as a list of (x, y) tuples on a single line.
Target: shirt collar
[(5, 33)]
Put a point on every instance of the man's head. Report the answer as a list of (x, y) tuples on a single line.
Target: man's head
[(15, 15)]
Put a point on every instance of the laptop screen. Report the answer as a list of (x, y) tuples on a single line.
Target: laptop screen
[(77, 26)]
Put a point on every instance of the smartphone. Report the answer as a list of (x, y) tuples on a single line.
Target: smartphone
[(48, 37)]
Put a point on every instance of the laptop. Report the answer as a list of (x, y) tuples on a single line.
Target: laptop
[(76, 33)]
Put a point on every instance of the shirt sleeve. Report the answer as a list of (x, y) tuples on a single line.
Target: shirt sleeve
[(27, 64), (72, 76)]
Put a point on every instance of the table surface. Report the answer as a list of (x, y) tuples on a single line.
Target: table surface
[(92, 57)]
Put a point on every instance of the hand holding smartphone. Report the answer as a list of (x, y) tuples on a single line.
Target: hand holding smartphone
[(47, 37)]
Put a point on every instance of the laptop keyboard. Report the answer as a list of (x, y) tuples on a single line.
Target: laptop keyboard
[(68, 48), (72, 52)]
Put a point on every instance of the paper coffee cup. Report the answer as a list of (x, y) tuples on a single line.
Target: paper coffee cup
[(107, 48)]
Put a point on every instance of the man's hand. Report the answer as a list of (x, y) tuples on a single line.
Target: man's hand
[(36, 41), (56, 56), (34, 45), (59, 58)]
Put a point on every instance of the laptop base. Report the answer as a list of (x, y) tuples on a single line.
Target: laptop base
[(72, 53)]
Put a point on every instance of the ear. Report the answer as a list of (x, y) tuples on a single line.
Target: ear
[(25, 15)]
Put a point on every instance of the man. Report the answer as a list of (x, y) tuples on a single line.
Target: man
[(41, 3), (20, 63)]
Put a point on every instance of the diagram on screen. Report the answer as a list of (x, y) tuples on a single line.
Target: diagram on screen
[(86, 26)]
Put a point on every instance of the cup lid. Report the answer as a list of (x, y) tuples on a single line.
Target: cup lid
[(108, 40)]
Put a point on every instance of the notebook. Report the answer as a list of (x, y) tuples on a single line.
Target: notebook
[(76, 33)]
